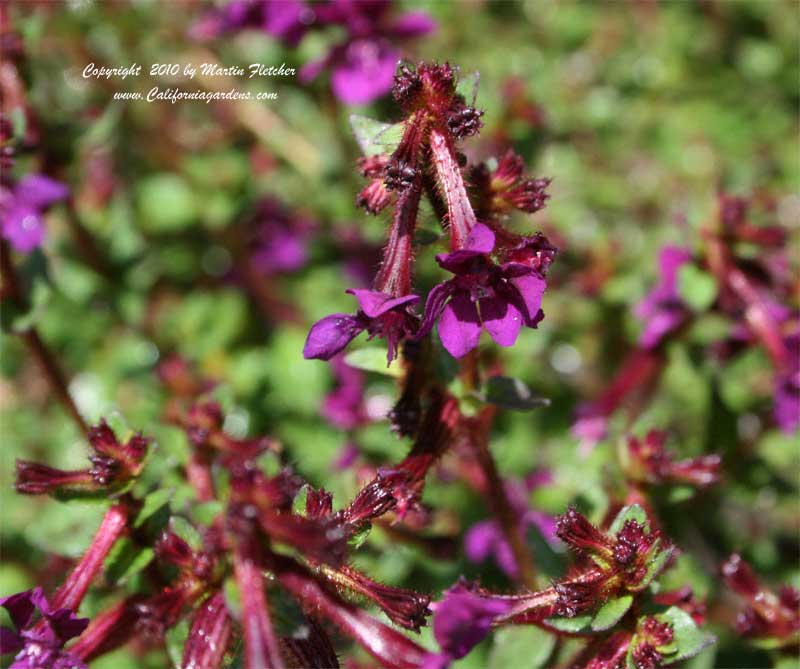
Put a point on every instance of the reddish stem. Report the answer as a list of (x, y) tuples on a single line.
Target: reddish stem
[(261, 647), (47, 361), (71, 594)]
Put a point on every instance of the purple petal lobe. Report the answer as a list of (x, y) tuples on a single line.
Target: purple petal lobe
[(463, 619), (375, 303), (23, 227), (413, 24), (20, 607), (330, 335), (433, 307), (10, 642), (480, 240), (531, 289), (501, 319), (459, 326), (365, 73), (37, 190)]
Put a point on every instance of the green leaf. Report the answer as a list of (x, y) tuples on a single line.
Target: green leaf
[(186, 531), (375, 137), (524, 647), (513, 394), (611, 612), (697, 288), (166, 203), (632, 512), (358, 538), (125, 560), (576, 624), (655, 566), (175, 639), (687, 636), (153, 503), (206, 512), (467, 86), (373, 360)]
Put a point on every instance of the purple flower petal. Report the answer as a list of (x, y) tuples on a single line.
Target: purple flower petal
[(330, 335), (661, 323), (375, 303), (284, 19), (365, 72), (433, 307), (480, 240), (39, 191), (531, 289), (10, 642), (313, 69), (485, 539), (436, 661), (66, 625), (462, 620), (413, 24), (501, 319), (480, 539), (20, 607), (459, 326), (23, 227), (347, 456), (670, 260)]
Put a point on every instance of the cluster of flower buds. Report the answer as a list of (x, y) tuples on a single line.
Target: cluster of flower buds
[(498, 276), (625, 559), (646, 461), (114, 466), (600, 599), (767, 616)]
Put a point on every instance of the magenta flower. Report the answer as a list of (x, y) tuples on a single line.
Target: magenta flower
[(662, 310), (486, 538), (363, 65), (39, 645), (460, 622), (344, 407), (787, 387), (484, 295), (286, 20), (22, 206), (280, 243), (380, 315)]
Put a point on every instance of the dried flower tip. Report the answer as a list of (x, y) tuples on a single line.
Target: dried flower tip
[(374, 197), (399, 174), (464, 121), (406, 608), (575, 597), (407, 85), (740, 577), (574, 529), (37, 479)]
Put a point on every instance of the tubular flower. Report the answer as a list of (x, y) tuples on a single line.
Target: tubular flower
[(767, 614), (114, 465), (647, 461), (484, 295), (662, 310)]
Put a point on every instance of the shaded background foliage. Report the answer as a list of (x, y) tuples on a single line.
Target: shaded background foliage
[(640, 112)]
